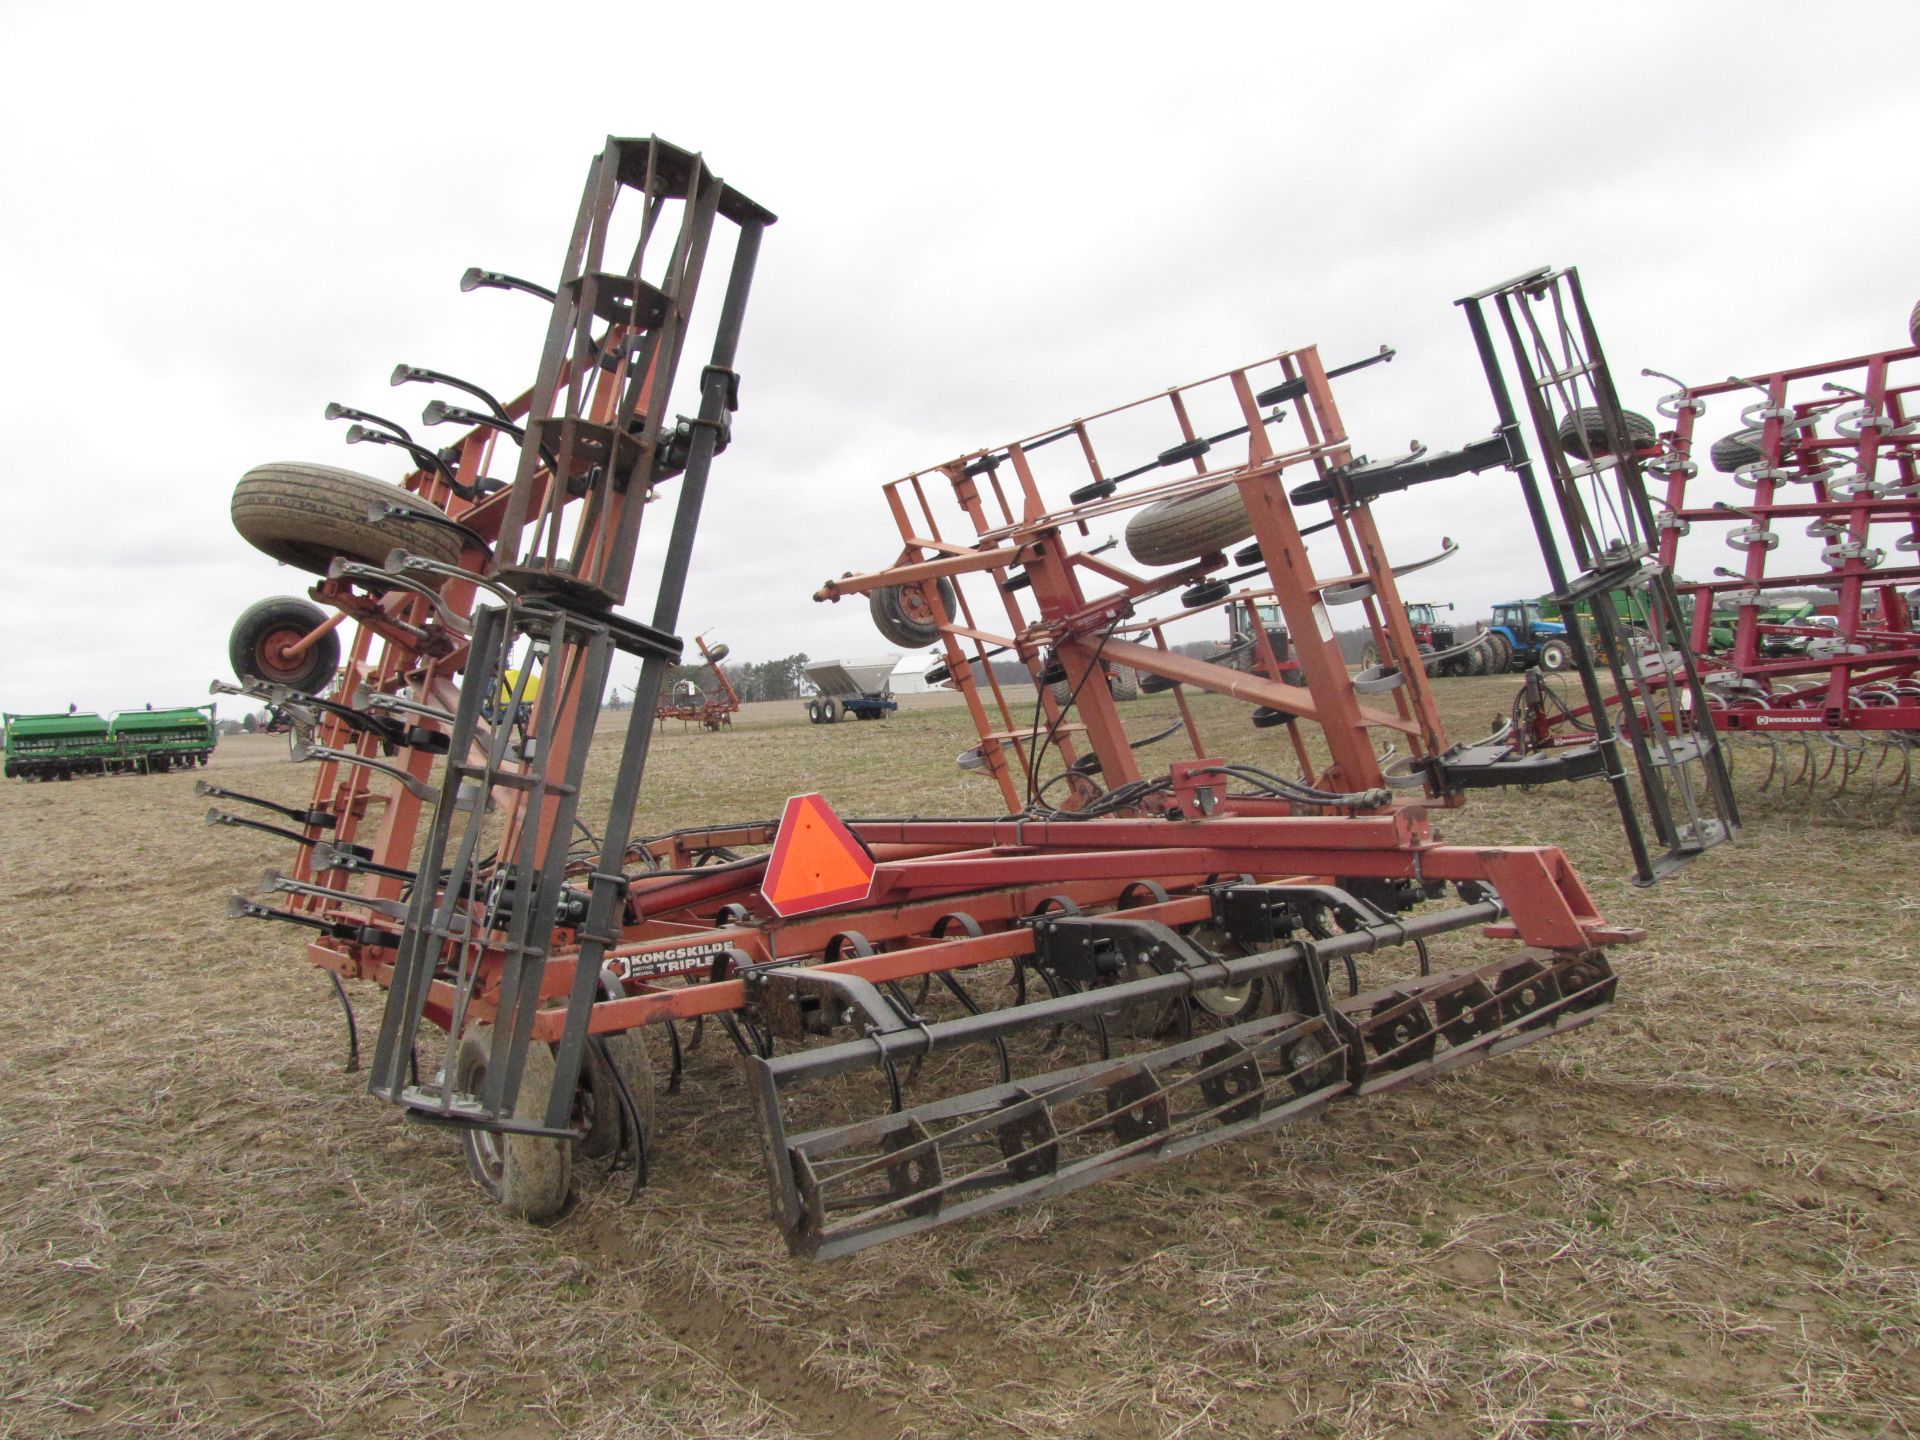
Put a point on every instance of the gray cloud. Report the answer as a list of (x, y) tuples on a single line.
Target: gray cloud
[(990, 222)]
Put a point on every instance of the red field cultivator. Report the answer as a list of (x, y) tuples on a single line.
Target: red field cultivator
[(708, 706), (1805, 643), (1131, 962)]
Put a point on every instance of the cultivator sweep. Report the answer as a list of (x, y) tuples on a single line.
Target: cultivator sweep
[(1805, 646), (1121, 968)]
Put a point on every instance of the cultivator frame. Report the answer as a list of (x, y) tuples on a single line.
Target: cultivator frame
[(1833, 445), (1598, 535), (712, 709), (1207, 910)]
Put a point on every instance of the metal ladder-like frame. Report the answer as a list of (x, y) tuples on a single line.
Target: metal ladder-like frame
[(1606, 521), (595, 434)]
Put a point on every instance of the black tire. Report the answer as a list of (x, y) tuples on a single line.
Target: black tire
[(1155, 684), (1499, 653), (305, 515), (1555, 655), (1913, 324), (1173, 532), (1431, 666), (1124, 682), (900, 613), (529, 1175), (1369, 655), (718, 653), (1584, 433), (813, 712), (829, 710), (600, 1108), (1730, 453), (265, 628)]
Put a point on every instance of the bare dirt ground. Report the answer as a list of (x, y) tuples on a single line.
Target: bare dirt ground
[(1698, 1217)]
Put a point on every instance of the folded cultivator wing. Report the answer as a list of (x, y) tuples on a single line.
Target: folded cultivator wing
[(1801, 640), (1165, 941)]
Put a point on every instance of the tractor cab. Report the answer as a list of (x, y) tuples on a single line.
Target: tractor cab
[(1522, 620), (1270, 621), (1429, 629)]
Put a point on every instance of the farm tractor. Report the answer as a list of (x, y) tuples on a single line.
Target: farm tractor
[(709, 706), (1522, 637), (1441, 650), (1150, 950)]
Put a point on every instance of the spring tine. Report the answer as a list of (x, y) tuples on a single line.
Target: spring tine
[(1852, 750), (1806, 761), (1773, 760)]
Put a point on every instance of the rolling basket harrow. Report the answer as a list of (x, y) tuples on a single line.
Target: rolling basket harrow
[(1132, 961)]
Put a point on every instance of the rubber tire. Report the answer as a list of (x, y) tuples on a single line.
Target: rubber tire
[(829, 710), (1172, 532), (1155, 684), (1500, 658), (718, 653), (896, 617), (630, 1056), (814, 716), (1585, 428), (1369, 655), (261, 621), (1913, 324), (1123, 682), (534, 1172), (1730, 453), (305, 515), (1431, 666), (1555, 656)]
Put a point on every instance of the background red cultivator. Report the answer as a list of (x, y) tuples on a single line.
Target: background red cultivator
[(1817, 492), (692, 703), (1132, 961)]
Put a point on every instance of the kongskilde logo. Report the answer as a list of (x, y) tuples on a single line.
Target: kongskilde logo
[(1811, 720), (681, 960)]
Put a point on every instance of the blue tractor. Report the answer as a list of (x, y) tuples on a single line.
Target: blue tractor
[(1521, 638)]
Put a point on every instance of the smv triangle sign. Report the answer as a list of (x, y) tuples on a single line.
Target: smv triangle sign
[(816, 862)]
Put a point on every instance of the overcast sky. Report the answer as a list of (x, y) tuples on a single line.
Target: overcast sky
[(217, 219)]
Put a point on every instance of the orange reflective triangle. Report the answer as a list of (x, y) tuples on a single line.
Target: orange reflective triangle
[(816, 860)]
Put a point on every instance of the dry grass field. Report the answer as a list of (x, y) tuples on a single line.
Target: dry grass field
[(1698, 1217)]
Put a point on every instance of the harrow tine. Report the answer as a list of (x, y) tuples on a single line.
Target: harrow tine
[(1846, 756), (1806, 761)]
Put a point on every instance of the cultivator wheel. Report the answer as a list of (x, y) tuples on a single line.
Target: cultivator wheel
[(307, 516), (903, 614), (530, 1175), (266, 640), (616, 1096)]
